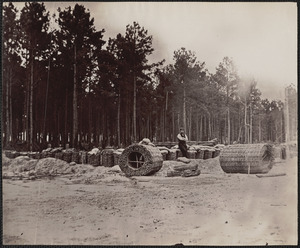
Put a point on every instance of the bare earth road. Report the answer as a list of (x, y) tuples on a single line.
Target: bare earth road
[(211, 209)]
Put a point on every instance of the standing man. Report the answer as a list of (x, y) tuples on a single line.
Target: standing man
[(182, 139)]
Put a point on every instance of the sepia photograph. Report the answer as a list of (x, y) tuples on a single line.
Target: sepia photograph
[(149, 123)]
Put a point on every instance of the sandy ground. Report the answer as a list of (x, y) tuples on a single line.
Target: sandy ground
[(210, 209)]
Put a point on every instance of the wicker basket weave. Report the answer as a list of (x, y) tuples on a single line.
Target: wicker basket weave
[(94, 159), (82, 157), (200, 154), (59, 155), (216, 153), (247, 158), (108, 157), (178, 154), (75, 157), (191, 154), (67, 156), (172, 154), (208, 154), (116, 157)]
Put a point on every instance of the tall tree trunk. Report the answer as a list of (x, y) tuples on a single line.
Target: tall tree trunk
[(190, 124), (118, 119), (31, 101), (209, 128), (259, 128), (201, 129), (228, 110), (7, 134), (10, 108), (228, 125), (197, 127), (173, 126), (251, 125), (178, 121), (66, 119), (134, 108), (75, 114), (184, 108), (246, 128)]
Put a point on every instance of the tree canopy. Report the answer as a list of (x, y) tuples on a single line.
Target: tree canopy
[(68, 85)]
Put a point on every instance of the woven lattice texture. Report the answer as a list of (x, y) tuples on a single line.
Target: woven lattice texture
[(208, 154), (140, 160), (200, 154), (83, 157), (67, 156), (75, 157), (108, 157), (59, 155), (247, 158), (116, 157), (171, 155), (191, 154), (94, 159)]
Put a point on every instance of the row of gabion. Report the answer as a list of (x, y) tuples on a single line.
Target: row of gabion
[(108, 157), (173, 154), (104, 158)]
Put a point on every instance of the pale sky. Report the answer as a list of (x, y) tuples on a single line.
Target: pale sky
[(261, 38)]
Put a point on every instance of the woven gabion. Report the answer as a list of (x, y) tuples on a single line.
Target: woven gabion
[(140, 160), (108, 157), (247, 158)]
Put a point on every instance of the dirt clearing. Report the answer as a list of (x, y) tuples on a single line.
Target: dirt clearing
[(100, 206)]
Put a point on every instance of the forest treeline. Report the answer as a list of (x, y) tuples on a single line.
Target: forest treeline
[(68, 85)]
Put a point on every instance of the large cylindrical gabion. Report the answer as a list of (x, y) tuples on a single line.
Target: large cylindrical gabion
[(67, 156), (216, 153), (179, 154), (171, 155), (164, 154), (75, 157), (82, 157), (191, 154), (247, 158), (108, 157), (116, 157), (140, 160), (94, 159), (59, 155), (200, 154), (208, 153)]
